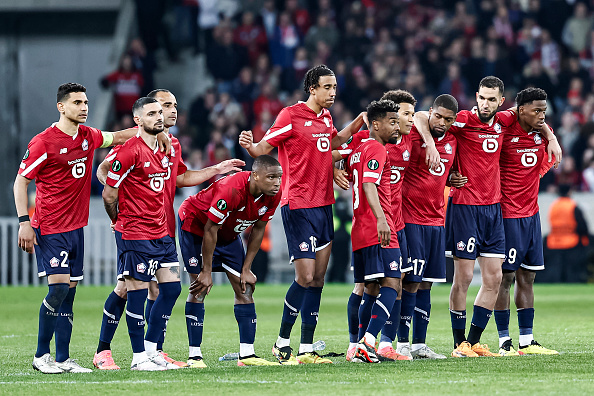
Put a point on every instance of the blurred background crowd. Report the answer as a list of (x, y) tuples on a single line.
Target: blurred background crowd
[(257, 52)]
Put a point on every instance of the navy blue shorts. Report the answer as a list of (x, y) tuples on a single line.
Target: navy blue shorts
[(228, 258), (307, 230), (523, 244), (140, 259), (474, 230), (426, 252), (61, 253), (403, 243), (373, 262)]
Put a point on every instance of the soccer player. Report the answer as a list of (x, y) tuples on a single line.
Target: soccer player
[(423, 211), (145, 248), (522, 164), (305, 136), (376, 253), (179, 176), (398, 154), (59, 159), (210, 227)]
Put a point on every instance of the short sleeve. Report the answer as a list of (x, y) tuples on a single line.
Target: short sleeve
[(120, 166), (373, 160), (280, 130), (34, 159), (354, 141), (181, 168), (221, 205), (506, 118), (112, 153), (97, 136)]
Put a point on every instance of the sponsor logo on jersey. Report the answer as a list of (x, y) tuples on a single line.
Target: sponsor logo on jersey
[(221, 204), (116, 166), (85, 145), (460, 245), (373, 164), (394, 266), (262, 210), (448, 148), (497, 128), (327, 122), (193, 262), (63, 150), (308, 123), (141, 268), (26, 155), (54, 262), (515, 139), (165, 162), (406, 155), (304, 246), (537, 139)]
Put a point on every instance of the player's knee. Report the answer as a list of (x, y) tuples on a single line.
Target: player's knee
[(507, 280), (358, 289), (170, 290), (57, 293), (304, 280)]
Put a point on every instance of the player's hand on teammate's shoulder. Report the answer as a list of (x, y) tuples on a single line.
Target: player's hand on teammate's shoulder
[(27, 238), (340, 178), (247, 278), (231, 165), (164, 142), (202, 284), (457, 180), (246, 139)]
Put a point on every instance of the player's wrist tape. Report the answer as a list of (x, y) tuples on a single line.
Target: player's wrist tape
[(24, 218)]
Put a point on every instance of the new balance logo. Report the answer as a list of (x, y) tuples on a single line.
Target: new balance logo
[(307, 123), (63, 150), (515, 140), (147, 164)]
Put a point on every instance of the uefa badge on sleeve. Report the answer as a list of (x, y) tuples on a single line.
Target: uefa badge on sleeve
[(116, 166), (373, 164), (221, 204)]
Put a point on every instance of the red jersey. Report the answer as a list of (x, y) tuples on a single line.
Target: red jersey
[(228, 202), (139, 172), (61, 166), (369, 163), (176, 167), (423, 188), (523, 157), (304, 146), (398, 155), (479, 148)]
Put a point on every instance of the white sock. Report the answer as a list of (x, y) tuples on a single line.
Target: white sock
[(304, 348), (384, 344), (502, 340), (139, 357), (416, 347), (526, 339), (401, 344), (370, 338), (246, 350), (195, 352), (150, 348), (352, 345), (283, 342)]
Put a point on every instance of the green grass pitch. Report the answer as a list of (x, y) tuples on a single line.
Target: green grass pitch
[(564, 321)]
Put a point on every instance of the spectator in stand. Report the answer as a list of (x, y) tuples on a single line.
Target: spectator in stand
[(455, 84), (577, 28), (126, 83), (262, 125), (549, 54), (245, 91), (251, 36), (268, 14), (224, 60), (284, 42), (300, 16), (267, 101), (200, 110), (569, 131), (322, 31)]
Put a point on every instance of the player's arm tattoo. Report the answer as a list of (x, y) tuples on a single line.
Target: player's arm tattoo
[(112, 209)]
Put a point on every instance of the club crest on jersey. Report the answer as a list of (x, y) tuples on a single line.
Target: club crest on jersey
[(54, 262), (497, 128), (165, 162), (141, 268), (262, 210), (537, 139), (394, 266), (85, 145), (221, 204), (373, 164), (406, 155), (448, 148), (327, 122), (460, 245), (26, 155), (116, 166), (304, 246), (193, 262)]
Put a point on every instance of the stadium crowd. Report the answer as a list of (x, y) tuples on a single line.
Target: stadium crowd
[(258, 51)]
